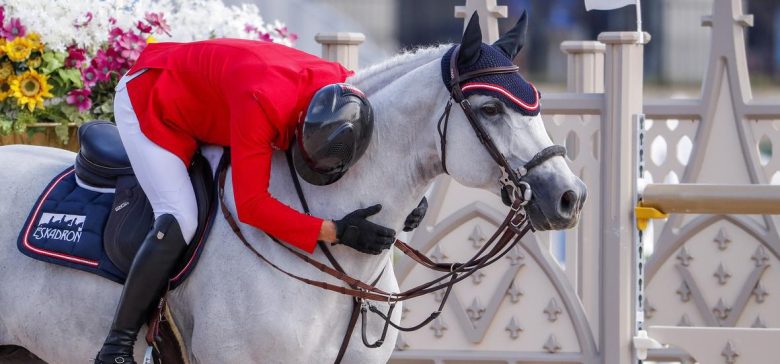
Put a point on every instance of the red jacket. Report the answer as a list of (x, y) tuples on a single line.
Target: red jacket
[(248, 95)]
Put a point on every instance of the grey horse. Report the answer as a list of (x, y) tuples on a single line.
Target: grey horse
[(236, 309)]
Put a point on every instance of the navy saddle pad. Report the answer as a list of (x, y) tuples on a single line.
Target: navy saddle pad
[(99, 229), (66, 227)]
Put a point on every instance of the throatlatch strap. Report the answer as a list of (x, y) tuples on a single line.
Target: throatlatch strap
[(445, 117)]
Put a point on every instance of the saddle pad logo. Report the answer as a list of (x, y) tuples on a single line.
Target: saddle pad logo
[(62, 227)]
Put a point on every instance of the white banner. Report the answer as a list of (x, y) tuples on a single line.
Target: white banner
[(607, 4)]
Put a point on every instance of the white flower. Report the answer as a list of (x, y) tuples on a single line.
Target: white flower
[(87, 22)]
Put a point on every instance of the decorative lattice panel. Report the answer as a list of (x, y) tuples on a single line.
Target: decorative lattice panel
[(668, 146)]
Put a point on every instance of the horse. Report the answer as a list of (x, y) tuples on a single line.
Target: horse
[(237, 309)]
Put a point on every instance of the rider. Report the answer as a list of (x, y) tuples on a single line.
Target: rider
[(250, 96)]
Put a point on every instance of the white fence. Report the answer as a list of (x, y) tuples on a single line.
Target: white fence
[(711, 279)]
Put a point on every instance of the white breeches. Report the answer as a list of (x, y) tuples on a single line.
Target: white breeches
[(162, 175)]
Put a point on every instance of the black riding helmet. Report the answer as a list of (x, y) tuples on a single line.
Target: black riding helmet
[(333, 135)]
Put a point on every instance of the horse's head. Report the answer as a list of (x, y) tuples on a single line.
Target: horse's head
[(507, 108)]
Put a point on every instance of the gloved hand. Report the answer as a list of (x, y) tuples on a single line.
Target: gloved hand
[(363, 235), (416, 216)]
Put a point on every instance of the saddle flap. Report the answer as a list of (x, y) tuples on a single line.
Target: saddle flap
[(132, 216)]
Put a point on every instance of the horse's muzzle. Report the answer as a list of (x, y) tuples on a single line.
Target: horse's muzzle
[(557, 200)]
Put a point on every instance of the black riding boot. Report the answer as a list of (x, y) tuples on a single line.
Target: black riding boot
[(146, 281)]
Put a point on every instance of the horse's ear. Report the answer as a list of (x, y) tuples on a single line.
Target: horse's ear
[(512, 42), (471, 43)]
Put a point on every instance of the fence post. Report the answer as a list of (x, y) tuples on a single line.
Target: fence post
[(585, 66), (341, 47), (489, 13), (623, 103)]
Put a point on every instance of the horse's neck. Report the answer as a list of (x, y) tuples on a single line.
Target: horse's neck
[(398, 166), (395, 171)]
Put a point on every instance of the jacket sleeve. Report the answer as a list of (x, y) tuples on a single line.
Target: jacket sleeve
[(251, 136)]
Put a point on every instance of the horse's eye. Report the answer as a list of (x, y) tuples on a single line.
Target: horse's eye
[(490, 109)]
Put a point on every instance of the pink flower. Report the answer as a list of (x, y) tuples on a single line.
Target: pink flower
[(249, 28), (90, 76), (84, 21), (130, 46), (144, 28), (80, 98), (2, 15), (266, 37), (111, 20), (284, 33), (157, 21), (13, 29), (106, 61), (76, 56), (114, 59), (113, 36)]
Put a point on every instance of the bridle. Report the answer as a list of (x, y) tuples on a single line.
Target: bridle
[(511, 180), (505, 238)]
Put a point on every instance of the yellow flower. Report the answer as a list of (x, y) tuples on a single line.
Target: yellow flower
[(35, 41), (5, 90), (151, 39), (2, 46), (34, 62), (18, 49), (30, 88), (6, 70)]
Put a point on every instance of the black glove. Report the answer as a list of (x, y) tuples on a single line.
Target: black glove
[(416, 216), (363, 235)]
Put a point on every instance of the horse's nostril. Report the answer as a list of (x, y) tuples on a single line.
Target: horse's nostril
[(568, 203)]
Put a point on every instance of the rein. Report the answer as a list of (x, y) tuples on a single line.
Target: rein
[(504, 239)]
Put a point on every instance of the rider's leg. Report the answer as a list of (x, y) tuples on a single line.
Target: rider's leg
[(166, 183), (162, 175)]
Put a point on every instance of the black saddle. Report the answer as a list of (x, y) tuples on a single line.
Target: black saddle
[(102, 162), (102, 157)]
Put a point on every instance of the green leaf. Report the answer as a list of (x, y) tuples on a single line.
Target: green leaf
[(70, 111), (71, 76), (74, 115), (107, 107), (6, 125), (56, 115), (52, 61), (62, 132), (23, 119)]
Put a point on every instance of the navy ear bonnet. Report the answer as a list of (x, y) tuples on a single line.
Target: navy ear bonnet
[(510, 88)]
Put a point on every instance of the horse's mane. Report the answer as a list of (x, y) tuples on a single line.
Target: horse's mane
[(375, 77)]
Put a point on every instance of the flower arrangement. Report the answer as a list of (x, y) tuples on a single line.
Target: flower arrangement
[(60, 59)]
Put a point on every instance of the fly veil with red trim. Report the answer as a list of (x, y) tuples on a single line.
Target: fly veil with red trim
[(511, 88)]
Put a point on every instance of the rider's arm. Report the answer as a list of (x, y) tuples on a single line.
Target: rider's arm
[(251, 136)]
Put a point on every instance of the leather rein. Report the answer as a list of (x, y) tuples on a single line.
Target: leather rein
[(503, 240)]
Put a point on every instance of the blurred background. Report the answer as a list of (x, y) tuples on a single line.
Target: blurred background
[(674, 59)]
